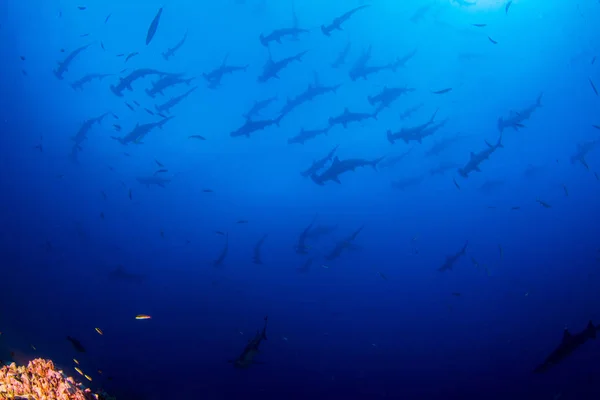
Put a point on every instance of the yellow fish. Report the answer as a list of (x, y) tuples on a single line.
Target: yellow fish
[(88, 378), (78, 370), (75, 361), (142, 316), (99, 331)]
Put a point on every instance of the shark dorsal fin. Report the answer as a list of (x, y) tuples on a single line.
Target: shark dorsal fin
[(336, 160), (472, 155), (346, 111), (566, 336)]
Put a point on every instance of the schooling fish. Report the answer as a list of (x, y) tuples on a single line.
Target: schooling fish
[(153, 27), (442, 91), (142, 316), (593, 86), (197, 137), (492, 40)]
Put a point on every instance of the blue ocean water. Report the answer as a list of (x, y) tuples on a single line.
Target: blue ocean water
[(367, 292)]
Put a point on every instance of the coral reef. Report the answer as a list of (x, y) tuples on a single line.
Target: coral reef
[(40, 380)]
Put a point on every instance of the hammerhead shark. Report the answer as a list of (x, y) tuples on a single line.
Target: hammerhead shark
[(246, 359)]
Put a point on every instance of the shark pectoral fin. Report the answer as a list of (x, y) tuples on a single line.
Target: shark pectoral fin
[(336, 180), (129, 88), (162, 185), (477, 169)]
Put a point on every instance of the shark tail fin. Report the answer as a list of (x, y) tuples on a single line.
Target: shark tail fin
[(499, 144), (118, 139), (390, 136), (264, 331), (377, 161), (538, 101), (500, 124)]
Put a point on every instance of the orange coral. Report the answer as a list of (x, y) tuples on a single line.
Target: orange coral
[(40, 381)]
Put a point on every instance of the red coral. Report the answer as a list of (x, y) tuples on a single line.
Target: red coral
[(40, 381)]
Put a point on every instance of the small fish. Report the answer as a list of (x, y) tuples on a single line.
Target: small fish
[(142, 316), (596, 126), (117, 127), (129, 106), (381, 274), (442, 91), (566, 190), (593, 86), (88, 377), (242, 221), (492, 207), (84, 35), (593, 60), (501, 250), (492, 40), (597, 177), (22, 58), (130, 55), (149, 111), (197, 137), (102, 45), (99, 331), (130, 195), (161, 171), (479, 25), (79, 371), (220, 233), (456, 294), (162, 234), (102, 215), (507, 6), (75, 361), (81, 7), (107, 18), (208, 190), (456, 183), (33, 347), (544, 204), (115, 116), (159, 163), (136, 103), (153, 27), (515, 208), (120, 55), (324, 266), (99, 371)]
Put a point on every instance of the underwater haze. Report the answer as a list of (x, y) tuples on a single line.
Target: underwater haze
[(294, 199)]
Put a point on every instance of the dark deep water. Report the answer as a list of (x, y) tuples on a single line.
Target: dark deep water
[(367, 293)]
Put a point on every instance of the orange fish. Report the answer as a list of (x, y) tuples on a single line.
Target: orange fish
[(99, 331), (142, 316), (78, 370)]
